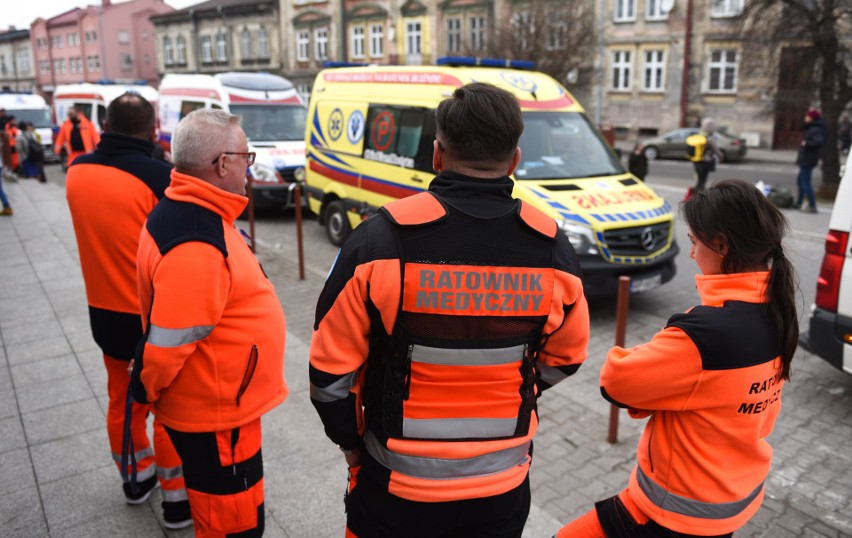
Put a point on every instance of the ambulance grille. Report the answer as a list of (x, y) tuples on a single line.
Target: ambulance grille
[(638, 241)]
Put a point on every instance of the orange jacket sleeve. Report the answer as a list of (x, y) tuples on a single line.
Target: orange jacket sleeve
[(190, 290), (61, 139), (660, 375)]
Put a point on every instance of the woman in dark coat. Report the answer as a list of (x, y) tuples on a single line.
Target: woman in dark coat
[(808, 158)]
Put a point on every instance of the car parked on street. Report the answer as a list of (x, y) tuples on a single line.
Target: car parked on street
[(672, 145)]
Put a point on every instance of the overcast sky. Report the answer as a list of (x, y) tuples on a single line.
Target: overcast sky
[(21, 13)]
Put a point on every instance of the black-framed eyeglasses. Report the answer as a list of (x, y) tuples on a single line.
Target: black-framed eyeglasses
[(249, 155)]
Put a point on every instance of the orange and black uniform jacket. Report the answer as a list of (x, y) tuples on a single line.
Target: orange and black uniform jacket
[(711, 383), (442, 320), (110, 193), (212, 357), (88, 133)]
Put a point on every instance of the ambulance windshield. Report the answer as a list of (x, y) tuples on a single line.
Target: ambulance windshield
[(563, 145), (272, 122)]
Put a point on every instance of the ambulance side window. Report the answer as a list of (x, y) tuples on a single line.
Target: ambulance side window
[(188, 106), (85, 108), (401, 133)]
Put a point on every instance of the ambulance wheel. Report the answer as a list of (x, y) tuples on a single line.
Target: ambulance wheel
[(651, 153), (337, 226)]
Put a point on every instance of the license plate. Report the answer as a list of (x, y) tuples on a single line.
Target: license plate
[(645, 283)]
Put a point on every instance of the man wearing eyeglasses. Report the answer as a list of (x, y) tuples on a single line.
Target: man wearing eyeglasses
[(212, 358)]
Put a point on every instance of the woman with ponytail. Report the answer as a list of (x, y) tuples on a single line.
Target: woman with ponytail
[(710, 382)]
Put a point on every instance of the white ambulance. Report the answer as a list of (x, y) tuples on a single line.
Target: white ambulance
[(32, 109), (273, 119), (93, 99)]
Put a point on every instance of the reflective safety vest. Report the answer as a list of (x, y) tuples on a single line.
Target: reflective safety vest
[(460, 362)]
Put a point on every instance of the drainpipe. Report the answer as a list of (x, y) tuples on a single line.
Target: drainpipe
[(103, 61), (687, 42), (228, 37), (601, 62)]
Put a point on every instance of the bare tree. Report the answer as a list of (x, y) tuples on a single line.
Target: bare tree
[(809, 41), (558, 35)]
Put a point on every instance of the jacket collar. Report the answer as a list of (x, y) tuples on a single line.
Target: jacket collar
[(715, 290), (451, 184), (119, 144), (186, 188)]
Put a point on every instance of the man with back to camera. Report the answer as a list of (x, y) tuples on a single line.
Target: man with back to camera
[(77, 136), (443, 319), (110, 193), (212, 358)]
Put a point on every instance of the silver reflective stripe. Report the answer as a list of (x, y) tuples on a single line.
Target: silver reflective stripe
[(162, 337), (467, 357), (442, 468), (174, 495), (146, 452), (550, 374), (167, 473), (458, 428), (338, 390), (689, 507), (146, 473)]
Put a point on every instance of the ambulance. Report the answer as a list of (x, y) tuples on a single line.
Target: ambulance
[(273, 119), (32, 109), (92, 99), (369, 141)]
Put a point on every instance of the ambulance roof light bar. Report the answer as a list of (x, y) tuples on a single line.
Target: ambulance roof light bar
[(485, 62)]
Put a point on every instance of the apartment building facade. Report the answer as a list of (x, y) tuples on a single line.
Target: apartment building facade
[(107, 41), (16, 61)]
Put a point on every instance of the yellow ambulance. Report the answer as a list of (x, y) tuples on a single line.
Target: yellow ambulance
[(369, 141)]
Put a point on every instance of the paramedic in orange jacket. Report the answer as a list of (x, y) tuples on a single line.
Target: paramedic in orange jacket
[(212, 360), (77, 136), (710, 381), (12, 138), (110, 193), (442, 321)]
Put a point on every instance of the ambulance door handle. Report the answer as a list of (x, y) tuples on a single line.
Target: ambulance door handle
[(417, 179)]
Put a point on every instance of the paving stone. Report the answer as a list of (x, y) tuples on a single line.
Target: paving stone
[(65, 458), (11, 435), (33, 372), (16, 471), (46, 348), (63, 421), (21, 514), (53, 393)]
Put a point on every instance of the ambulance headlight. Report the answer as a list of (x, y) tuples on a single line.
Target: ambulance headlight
[(265, 174), (299, 173), (581, 237)]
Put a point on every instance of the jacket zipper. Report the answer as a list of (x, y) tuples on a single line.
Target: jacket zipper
[(249, 373), (650, 437)]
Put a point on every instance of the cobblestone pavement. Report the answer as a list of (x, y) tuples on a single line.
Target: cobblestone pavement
[(57, 479)]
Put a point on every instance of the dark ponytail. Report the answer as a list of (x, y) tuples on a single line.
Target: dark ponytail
[(738, 214)]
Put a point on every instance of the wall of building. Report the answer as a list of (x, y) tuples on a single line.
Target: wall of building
[(16, 64)]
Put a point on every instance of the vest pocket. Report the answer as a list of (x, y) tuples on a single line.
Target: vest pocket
[(248, 373)]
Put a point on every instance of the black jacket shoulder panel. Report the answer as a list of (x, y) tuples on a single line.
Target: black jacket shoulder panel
[(565, 258), (173, 223), (155, 174), (735, 335)]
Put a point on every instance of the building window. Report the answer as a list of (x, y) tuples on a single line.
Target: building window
[(621, 70), (722, 69), (557, 32), (262, 43), (654, 71), (245, 44), (321, 43), (181, 49), (303, 44), (94, 36), (72, 65), (726, 8), (454, 42), (304, 89), (413, 44), (654, 10), (126, 61), (377, 36), (625, 10), (357, 41), (477, 33), (44, 67), (123, 37), (23, 61), (62, 66), (168, 51), (221, 46), (94, 63), (523, 30), (206, 49), (3, 68)]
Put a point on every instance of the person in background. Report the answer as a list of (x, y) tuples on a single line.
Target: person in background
[(12, 132), (212, 357), (844, 133), (637, 163), (7, 207), (32, 152), (110, 193), (77, 136), (808, 158), (433, 402), (717, 373), (712, 154)]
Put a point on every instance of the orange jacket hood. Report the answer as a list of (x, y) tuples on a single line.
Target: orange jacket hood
[(187, 188)]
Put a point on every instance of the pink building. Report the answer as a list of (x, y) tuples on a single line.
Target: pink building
[(109, 41)]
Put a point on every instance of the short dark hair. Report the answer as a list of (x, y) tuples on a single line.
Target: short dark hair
[(130, 114), (480, 122)]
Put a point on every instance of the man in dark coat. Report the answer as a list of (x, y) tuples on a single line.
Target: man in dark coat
[(808, 158)]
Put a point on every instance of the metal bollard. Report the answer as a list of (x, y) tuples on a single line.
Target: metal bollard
[(296, 190), (620, 330)]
